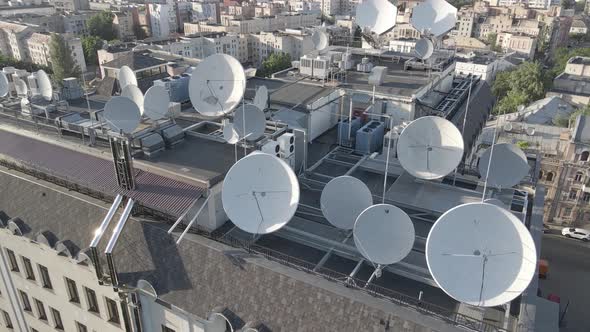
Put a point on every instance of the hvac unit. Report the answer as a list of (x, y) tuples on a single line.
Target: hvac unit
[(172, 135), (370, 137), (365, 66), (290, 160), (321, 67), (347, 63), (344, 126), (152, 144), (306, 66), (33, 84), (286, 144), (272, 148)]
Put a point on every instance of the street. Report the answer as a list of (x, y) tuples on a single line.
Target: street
[(569, 278)]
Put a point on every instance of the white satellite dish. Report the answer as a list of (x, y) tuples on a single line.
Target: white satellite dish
[(132, 92), (122, 114), (21, 87), (230, 135), (156, 102), (251, 119), (435, 17), (343, 199), (384, 234), (126, 76), (24, 103), (430, 147), (260, 193), (217, 85), (424, 48), (509, 165), (320, 40), (376, 15), (261, 97), (45, 88), (508, 126), (3, 85), (495, 202), (520, 108), (493, 262), (530, 131)]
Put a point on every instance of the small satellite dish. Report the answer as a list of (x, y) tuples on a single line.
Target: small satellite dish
[(3, 85), (493, 262), (261, 97), (377, 75), (156, 102), (122, 114), (424, 48), (252, 119), (435, 17), (45, 88), (24, 103), (229, 133), (126, 76), (217, 85), (430, 147), (509, 165), (508, 126), (320, 40), (384, 234), (260, 193), (343, 199), (132, 92), (520, 108), (530, 131), (376, 15), (21, 87)]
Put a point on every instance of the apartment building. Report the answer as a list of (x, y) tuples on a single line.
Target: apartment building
[(578, 28), (205, 11), (516, 42), (70, 5), (492, 24), (573, 85), (466, 18), (13, 38), (123, 23), (163, 20), (38, 48), (75, 23), (264, 44), (273, 23)]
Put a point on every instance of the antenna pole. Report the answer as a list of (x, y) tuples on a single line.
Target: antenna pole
[(350, 120), (387, 159), (464, 121), (193, 220)]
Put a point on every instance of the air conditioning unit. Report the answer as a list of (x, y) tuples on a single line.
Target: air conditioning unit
[(272, 148), (290, 160), (286, 144)]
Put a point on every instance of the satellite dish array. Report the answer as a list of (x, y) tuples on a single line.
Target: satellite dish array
[(433, 19)]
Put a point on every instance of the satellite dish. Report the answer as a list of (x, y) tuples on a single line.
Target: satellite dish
[(430, 147), (21, 87), (122, 114), (376, 15), (156, 102), (424, 48), (343, 199), (132, 92), (377, 75), (261, 97), (530, 131), (126, 76), (252, 119), (45, 88), (493, 262), (260, 193), (435, 17), (320, 40), (24, 103), (3, 85), (508, 126), (495, 202), (217, 85), (520, 108), (384, 234), (230, 135), (509, 165)]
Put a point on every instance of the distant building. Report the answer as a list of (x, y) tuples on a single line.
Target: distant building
[(266, 43), (578, 28), (402, 45), (75, 23), (163, 20), (38, 45), (205, 11), (465, 22), (573, 85), (519, 43), (70, 5), (13, 39), (123, 23), (42, 9)]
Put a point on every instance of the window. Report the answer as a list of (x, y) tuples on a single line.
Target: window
[(25, 300), (72, 291), (578, 177), (28, 268), (7, 320), (567, 212), (40, 310), (45, 277), (167, 329), (584, 156), (550, 176), (12, 259), (81, 327), (573, 194), (586, 197), (113, 311), (57, 323), (91, 298)]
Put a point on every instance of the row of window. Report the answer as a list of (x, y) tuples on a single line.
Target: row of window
[(72, 289)]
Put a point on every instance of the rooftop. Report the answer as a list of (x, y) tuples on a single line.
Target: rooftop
[(580, 60), (136, 61), (582, 130)]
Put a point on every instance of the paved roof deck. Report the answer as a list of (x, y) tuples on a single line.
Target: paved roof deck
[(288, 94)]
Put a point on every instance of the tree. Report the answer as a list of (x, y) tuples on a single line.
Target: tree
[(6, 61), (61, 59), (523, 145), (517, 87), (139, 32), (567, 4), (501, 84), (101, 25), (91, 45), (357, 39), (510, 103), (274, 63)]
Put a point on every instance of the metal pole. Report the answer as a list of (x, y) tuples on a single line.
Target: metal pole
[(464, 122), (350, 119), (387, 158), (193, 220)]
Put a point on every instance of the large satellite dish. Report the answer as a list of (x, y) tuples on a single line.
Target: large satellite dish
[(376, 15), (320, 40), (45, 88), (156, 102), (435, 17), (126, 76), (384, 234), (343, 199), (430, 147), (132, 92), (21, 87), (122, 114), (260, 193), (492, 263), (509, 165), (424, 48), (3, 85), (261, 97), (251, 119), (217, 85)]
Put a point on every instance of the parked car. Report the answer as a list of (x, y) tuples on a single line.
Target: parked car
[(576, 233)]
